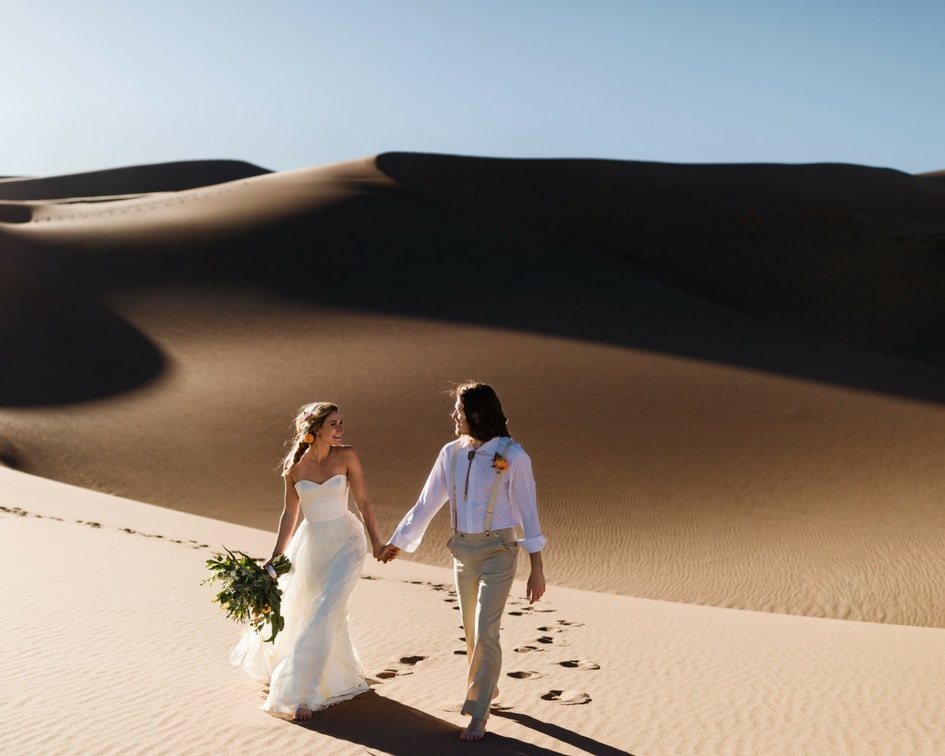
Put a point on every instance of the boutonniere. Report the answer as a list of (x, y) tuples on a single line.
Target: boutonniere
[(500, 463)]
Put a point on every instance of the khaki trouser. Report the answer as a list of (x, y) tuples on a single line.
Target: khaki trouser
[(483, 567)]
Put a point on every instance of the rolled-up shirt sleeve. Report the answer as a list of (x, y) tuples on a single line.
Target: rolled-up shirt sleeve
[(524, 501), (435, 494)]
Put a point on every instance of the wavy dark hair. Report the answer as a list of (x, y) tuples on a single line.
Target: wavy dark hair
[(483, 410)]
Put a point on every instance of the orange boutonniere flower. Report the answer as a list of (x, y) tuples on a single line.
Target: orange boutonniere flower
[(500, 463)]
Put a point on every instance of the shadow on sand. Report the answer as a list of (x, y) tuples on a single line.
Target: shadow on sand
[(376, 722), (59, 343)]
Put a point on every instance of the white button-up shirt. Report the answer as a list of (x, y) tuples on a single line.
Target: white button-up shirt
[(515, 501)]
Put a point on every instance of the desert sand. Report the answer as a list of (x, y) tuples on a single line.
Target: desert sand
[(729, 378)]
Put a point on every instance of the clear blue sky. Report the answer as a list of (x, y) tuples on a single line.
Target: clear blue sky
[(295, 83)]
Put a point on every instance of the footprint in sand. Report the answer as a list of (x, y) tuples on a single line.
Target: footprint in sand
[(523, 675), (527, 649), (406, 661), (578, 664), (387, 674), (436, 587), (528, 610), (567, 697), (411, 660), (548, 640)]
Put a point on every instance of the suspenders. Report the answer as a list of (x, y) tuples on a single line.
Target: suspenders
[(495, 488)]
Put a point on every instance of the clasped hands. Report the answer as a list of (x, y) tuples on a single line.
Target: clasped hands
[(386, 553)]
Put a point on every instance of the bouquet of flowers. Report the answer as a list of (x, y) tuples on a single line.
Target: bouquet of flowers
[(249, 593)]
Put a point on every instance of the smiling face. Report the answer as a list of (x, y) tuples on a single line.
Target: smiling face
[(332, 429), (459, 418)]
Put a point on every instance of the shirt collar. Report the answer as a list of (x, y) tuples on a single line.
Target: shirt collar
[(489, 447)]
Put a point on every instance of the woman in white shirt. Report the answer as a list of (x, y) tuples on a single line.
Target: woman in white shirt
[(487, 479)]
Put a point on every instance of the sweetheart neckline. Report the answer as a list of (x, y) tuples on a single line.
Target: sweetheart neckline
[(315, 483)]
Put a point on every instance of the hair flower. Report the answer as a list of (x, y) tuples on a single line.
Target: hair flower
[(305, 422), (500, 463), (308, 438)]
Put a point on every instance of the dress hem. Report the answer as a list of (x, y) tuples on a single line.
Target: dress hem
[(284, 712)]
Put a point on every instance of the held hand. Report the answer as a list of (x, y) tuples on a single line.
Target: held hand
[(389, 553), (536, 586)]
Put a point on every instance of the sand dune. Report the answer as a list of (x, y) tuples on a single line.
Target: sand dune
[(127, 181), (148, 338), (729, 379), (845, 252)]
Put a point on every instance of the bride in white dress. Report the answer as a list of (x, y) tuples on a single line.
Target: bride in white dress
[(313, 662)]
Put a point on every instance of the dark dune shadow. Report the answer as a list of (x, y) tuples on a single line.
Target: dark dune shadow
[(10, 455), (937, 177), (409, 252), (11, 213), (401, 255), (849, 253), (59, 343), (376, 722)]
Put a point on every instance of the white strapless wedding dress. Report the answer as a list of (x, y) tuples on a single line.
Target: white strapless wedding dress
[(313, 662)]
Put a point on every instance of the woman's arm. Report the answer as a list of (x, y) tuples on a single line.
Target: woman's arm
[(361, 499), (435, 494), (290, 514)]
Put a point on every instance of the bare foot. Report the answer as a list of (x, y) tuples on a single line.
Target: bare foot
[(475, 731), (302, 715), (496, 694)]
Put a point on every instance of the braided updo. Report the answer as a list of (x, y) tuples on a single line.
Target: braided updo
[(308, 421)]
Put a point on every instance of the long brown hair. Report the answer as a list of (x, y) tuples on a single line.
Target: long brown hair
[(308, 422), (482, 409)]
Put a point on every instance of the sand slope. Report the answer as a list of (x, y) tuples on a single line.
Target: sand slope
[(156, 346), (125, 653)]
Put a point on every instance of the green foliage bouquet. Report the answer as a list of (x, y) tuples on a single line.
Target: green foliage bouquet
[(249, 593)]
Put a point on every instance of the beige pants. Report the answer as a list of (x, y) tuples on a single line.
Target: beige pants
[(484, 567)]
